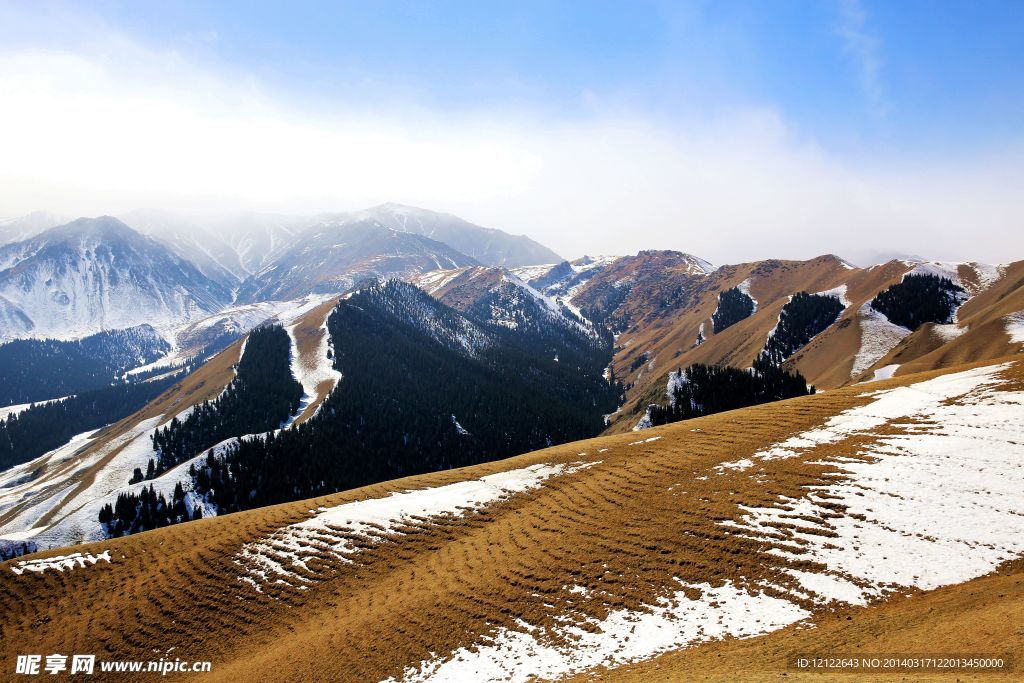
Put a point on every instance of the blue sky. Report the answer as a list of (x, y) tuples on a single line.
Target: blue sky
[(948, 73), (878, 96)]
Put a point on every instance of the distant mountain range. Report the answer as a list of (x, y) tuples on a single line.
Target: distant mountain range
[(487, 246), (22, 227), (62, 281)]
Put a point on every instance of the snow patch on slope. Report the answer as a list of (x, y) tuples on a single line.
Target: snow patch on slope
[(878, 336), (889, 405), (948, 332), (745, 288), (643, 423), (60, 562), (885, 373), (837, 292), (528, 273), (459, 429), (1015, 327), (22, 407), (312, 369), (986, 274), (940, 503), (623, 637), (282, 557)]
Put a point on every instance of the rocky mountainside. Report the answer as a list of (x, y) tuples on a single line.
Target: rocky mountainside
[(503, 300)]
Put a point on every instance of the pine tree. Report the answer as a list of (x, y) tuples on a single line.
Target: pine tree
[(920, 299)]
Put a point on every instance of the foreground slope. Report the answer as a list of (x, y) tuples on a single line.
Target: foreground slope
[(857, 519)]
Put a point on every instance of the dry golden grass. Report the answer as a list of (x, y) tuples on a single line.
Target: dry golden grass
[(623, 528)]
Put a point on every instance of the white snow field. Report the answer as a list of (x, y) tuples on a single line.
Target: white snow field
[(937, 503), (885, 373), (1015, 327), (623, 637)]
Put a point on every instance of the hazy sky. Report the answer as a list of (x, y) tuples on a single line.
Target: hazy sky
[(732, 130)]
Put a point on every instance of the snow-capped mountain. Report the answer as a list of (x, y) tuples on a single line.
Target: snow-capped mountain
[(191, 241), (22, 227), (566, 278), (501, 299), (96, 274), (486, 245), (336, 255), (226, 248), (257, 238)]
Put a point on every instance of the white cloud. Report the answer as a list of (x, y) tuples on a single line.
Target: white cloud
[(88, 133)]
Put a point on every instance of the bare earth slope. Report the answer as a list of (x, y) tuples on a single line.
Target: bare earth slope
[(863, 519)]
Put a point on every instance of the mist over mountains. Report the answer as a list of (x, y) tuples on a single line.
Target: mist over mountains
[(165, 269)]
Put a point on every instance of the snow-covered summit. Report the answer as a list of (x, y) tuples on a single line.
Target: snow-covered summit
[(96, 274)]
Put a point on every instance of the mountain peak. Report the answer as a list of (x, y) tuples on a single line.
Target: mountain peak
[(95, 274), (487, 245), (695, 264), (100, 227)]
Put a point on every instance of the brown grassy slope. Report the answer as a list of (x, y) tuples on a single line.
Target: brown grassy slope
[(983, 318), (668, 333), (669, 336), (624, 528), (469, 286), (828, 359)]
